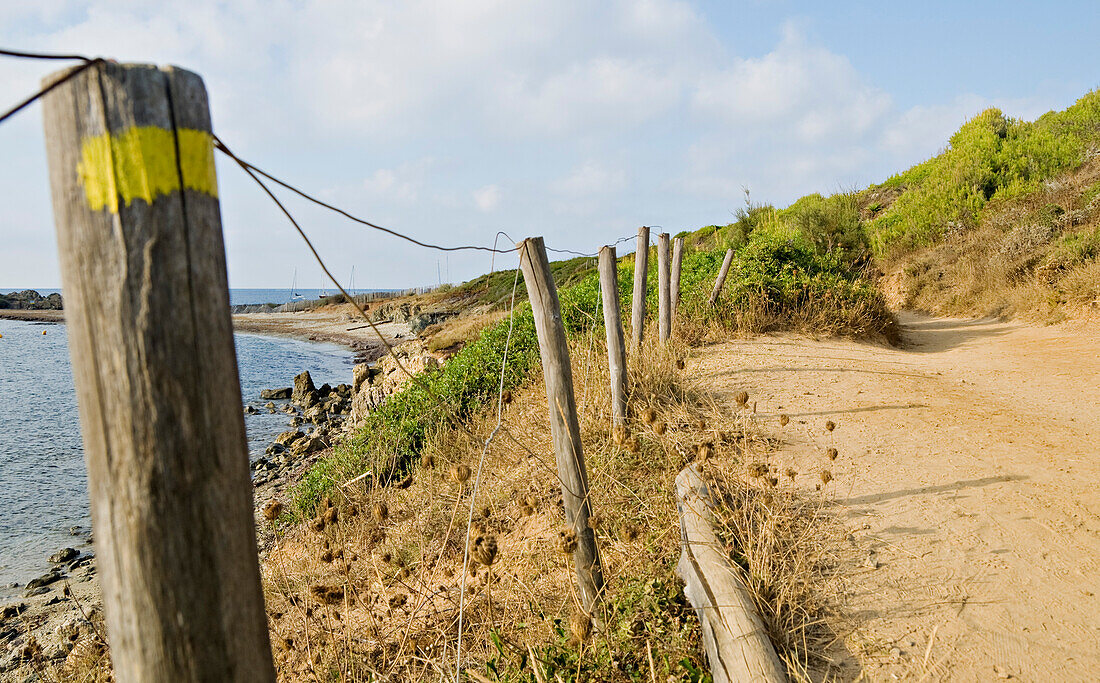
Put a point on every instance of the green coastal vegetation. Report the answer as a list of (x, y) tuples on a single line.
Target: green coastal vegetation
[(815, 266)]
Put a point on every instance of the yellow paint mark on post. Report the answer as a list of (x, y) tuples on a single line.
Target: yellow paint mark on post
[(140, 163)]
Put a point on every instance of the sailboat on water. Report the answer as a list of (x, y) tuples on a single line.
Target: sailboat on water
[(294, 295)]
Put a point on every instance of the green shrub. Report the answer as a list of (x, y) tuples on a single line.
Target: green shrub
[(991, 156)]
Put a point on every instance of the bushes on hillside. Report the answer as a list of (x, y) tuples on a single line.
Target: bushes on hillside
[(991, 156)]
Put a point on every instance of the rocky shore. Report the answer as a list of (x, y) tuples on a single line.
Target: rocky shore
[(58, 620), (30, 300)]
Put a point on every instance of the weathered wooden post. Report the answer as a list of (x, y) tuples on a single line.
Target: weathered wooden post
[(664, 291), (147, 305), (565, 431), (677, 259), (720, 281), (734, 636), (641, 274), (616, 346)]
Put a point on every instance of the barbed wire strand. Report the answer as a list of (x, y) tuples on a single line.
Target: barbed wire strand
[(319, 202), (477, 480), (64, 79), (20, 54)]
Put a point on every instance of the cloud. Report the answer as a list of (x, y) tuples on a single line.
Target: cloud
[(598, 115), (797, 87), (400, 185), (487, 198), (590, 178)]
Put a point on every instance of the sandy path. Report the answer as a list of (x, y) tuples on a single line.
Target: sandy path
[(969, 474)]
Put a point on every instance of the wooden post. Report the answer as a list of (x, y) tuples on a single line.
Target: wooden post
[(612, 322), (641, 274), (147, 304), (677, 258), (734, 636), (721, 280), (664, 292), (565, 430)]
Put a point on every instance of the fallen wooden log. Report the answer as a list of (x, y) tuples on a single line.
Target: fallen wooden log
[(734, 637)]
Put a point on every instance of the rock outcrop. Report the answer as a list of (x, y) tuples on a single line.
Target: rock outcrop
[(374, 384), (29, 299)]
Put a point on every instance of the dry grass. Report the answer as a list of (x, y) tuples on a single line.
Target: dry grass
[(465, 328), (369, 595), (1018, 261)]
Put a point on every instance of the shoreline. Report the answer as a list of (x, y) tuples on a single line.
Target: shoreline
[(32, 315), (335, 324), (69, 591)]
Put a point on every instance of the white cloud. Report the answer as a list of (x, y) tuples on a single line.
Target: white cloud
[(399, 185), (798, 87), (487, 198), (590, 178)]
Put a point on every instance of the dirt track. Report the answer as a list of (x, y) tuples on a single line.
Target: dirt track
[(969, 479)]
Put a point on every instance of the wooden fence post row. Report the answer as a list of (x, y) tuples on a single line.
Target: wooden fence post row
[(612, 322), (641, 275), (147, 305), (565, 429), (664, 291)]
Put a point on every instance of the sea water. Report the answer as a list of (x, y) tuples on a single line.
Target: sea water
[(43, 489)]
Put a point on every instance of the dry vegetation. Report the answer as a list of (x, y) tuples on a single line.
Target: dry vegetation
[(1033, 256), (371, 587)]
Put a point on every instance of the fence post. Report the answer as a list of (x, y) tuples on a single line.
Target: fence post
[(641, 274), (565, 430), (612, 321), (677, 258), (721, 280), (664, 297), (147, 304)]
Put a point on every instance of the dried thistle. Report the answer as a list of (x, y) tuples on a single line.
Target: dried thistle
[(680, 364), (381, 511), (742, 399), (791, 474), (331, 515), (649, 416), (567, 539), (485, 550), (619, 435), (594, 521), (633, 445), (273, 509), (460, 473), (661, 428), (326, 556), (427, 461), (398, 600), (580, 627), (628, 532), (773, 481), (829, 425), (758, 469), (318, 525), (506, 396), (826, 477), (328, 595), (831, 453), (784, 419)]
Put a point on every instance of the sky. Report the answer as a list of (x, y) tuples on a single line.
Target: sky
[(571, 119)]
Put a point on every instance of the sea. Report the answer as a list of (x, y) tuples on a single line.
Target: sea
[(43, 489), (242, 297)]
